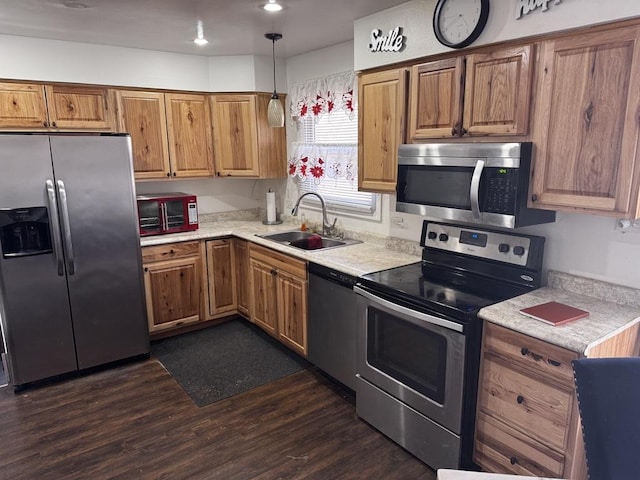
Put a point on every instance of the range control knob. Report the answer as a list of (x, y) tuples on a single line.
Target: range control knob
[(432, 235), (519, 251), (503, 248), (443, 237)]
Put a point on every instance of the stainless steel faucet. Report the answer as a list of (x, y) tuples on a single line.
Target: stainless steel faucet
[(327, 229)]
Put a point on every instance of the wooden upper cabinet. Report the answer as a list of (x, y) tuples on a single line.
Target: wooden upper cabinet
[(189, 131), (436, 98), (72, 107), (67, 107), (381, 104), (23, 106), (143, 116), (244, 144), (497, 92), (480, 94), (587, 124), (235, 135)]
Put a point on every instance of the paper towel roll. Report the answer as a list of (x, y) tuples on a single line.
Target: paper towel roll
[(271, 206)]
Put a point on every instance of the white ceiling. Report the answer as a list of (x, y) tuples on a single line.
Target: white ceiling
[(233, 27)]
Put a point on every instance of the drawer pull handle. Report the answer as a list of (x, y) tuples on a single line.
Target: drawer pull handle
[(555, 363), (513, 460), (519, 399), (525, 351)]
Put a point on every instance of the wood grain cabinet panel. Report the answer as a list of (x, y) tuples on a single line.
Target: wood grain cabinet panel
[(477, 95), (173, 285), (72, 107), (189, 133), (243, 277), (587, 126), (53, 107), (244, 144), (381, 104), (143, 116), (279, 296), (221, 269)]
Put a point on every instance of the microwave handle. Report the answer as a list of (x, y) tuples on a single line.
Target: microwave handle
[(474, 192)]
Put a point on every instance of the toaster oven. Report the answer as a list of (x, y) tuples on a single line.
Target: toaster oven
[(167, 213)]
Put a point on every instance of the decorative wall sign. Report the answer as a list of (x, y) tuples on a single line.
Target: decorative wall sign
[(393, 42), (524, 7)]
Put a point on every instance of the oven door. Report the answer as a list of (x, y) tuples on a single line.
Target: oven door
[(416, 357)]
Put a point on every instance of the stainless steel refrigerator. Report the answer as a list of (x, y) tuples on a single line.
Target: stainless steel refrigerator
[(71, 283)]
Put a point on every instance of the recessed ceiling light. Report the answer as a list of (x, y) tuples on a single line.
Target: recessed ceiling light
[(272, 6), (74, 4), (200, 40)]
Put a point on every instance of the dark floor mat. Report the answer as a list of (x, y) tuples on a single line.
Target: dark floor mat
[(221, 361)]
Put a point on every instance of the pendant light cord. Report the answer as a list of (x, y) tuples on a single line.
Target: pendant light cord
[(273, 54)]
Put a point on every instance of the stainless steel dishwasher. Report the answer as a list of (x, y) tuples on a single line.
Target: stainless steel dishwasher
[(331, 332)]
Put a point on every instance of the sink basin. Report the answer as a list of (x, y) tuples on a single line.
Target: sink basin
[(299, 239)]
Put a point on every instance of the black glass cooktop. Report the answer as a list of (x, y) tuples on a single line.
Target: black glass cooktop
[(453, 293)]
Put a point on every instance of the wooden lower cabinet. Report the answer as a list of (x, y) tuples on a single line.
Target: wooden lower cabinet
[(173, 280), (221, 278), (279, 296), (527, 414), (243, 277)]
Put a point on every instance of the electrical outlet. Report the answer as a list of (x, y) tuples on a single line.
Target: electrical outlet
[(399, 222)]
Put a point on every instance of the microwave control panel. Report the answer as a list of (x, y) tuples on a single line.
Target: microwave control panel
[(193, 213), (500, 190)]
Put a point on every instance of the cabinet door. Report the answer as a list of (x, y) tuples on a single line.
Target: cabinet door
[(143, 116), (81, 107), (22, 106), (435, 99), (189, 131), (381, 100), (264, 310), (292, 311), (586, 124), (498, 92), (272, 142), (235, 135), (172, 292), (221, 277), (243, 285)]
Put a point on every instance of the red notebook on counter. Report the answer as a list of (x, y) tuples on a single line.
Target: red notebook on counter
[(554, 313)]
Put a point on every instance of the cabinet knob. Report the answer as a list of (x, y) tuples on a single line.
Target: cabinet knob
[(534, 198), (174, 174), (168, 174), (54, 124), (520, 399), (524, 351), (513, 460), (274, 271), (45, 124), (146, 269), (464, 131)]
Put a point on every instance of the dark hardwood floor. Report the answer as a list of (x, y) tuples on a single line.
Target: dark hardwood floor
[(136, 422)]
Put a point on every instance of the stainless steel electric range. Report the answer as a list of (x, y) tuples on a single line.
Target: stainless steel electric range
[(419, 336)]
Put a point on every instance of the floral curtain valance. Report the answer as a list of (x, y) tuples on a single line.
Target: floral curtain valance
[(324, 95), (318, 162)]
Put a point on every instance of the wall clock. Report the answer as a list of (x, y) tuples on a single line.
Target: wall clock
[(458, 23)]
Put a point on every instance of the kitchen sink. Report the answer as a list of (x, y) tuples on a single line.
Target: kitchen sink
[(307, 240)]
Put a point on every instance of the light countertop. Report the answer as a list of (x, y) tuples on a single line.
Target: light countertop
[(612, 308), (358, 259)]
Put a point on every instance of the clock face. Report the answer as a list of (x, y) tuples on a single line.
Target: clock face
[(457, 23)]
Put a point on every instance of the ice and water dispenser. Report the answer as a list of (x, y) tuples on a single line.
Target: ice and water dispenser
[(24, 232)]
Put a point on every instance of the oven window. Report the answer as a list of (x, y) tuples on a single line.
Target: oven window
[(149, 212), (414, 356), (437, 186), (175, 213)]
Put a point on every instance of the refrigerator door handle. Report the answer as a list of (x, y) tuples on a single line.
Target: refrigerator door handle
[(66, 228), (55, 226)]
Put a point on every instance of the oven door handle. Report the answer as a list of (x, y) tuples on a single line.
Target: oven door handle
[(474, 191), (409, 312)]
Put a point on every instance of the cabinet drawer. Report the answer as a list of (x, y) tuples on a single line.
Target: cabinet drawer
[(500, 448), (531, 405), (528, 352), (279, 260), (171, 250)]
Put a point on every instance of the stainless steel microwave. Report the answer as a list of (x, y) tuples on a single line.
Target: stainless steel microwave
[(478, 183)]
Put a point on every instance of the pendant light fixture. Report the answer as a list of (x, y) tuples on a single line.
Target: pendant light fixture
[(275, 110)]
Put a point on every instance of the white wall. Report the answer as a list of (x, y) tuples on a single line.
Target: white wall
[(246, 73), (415, 18)]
